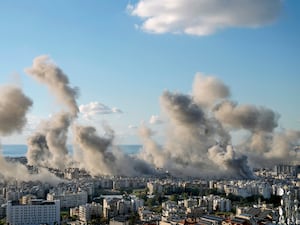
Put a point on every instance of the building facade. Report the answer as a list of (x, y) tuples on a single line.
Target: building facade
[(69, 199), (35, 213)]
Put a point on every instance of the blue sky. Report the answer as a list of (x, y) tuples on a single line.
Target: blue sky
[(106, 50)]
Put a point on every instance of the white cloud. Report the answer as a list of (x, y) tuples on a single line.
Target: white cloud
[(203, 17), (116, 110), (155, 120), (96, 108)]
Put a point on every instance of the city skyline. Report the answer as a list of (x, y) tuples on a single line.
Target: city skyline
[(122, 65)]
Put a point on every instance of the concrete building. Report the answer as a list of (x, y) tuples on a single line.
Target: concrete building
[(2, 211), (35, 213), (110, 206), (188, 203), (88, 210), (26, 199), (71, 173), (136, 203), (69, 199), (74, 211), (154, 188)]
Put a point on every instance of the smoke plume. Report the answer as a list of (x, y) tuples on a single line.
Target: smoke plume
[(48, 146), (38, 152), (151, 152), (207, 90), (17, 171), (198, 138), (199, 129), (247, 117), (13, 108), (45, 71), (99, 156), (194, 138)]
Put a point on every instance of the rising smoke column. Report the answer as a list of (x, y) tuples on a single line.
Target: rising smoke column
[(38, 153), (197, 143), (56, 137), (266, 149), (248, 117), (45, 71), (265, 146), (151, 152), (96, 157), (193, 133), (13, 108), (198, 136), (208, 90), (99, 156), (95, 153), (48, 146)]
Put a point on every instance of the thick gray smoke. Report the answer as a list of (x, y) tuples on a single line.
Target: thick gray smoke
[(17, 171), (48, 146), (248, 117), (192, 133), (265, 146), (38, 152), (198, 140), (208, 90), (13, 108), (45, 71), (268, 149), (99, 156), (92, 150), (226, 158), (194, 140), (151, 151)]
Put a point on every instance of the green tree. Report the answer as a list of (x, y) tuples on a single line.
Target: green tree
[(174, 197), (150, 202), (134, 217)]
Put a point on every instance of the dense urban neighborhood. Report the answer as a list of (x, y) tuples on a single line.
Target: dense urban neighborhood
[(271, 197), (150, 112)]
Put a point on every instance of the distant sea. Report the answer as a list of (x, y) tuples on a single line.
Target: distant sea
[(20, 150)]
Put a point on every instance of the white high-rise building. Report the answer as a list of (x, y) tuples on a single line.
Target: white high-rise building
[(35, 213)]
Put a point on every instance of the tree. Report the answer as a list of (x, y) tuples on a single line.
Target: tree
[(133, 218), (174, 197), (151, 202)]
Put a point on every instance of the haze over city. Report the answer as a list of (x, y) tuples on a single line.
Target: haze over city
[(208, 86)]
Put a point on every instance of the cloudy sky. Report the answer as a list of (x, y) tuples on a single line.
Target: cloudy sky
[(122, 55)]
